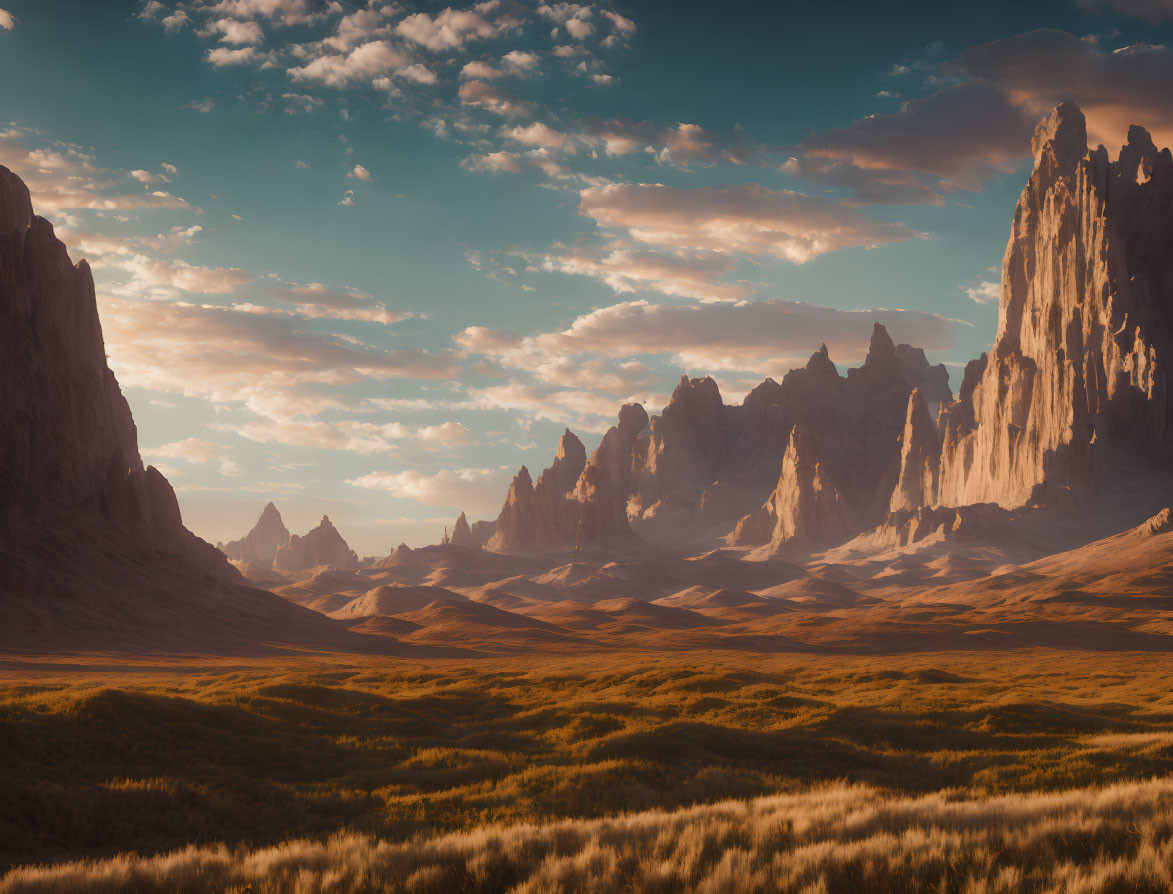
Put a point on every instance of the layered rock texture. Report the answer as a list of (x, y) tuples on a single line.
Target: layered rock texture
[(259, 547), (1076, 385), (321, 546), (693, 471), (93, 551)]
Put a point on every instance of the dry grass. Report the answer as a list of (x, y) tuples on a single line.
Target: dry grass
[(885, 771), (840, 838)]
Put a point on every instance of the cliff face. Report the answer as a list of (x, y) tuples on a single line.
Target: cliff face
[(67, 439), (701, 465), (537, 518), (260, 545), (842, 457), (93, 551), (321, 546), (1076, 384)]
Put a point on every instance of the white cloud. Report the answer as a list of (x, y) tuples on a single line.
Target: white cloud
[(193, 450), (237, 33), (359, 173), (743, 219), (447, 30), (984, 292), (477, 69), (536, 134), (362, 63), (222, 56), (7, 20), (471, 490)]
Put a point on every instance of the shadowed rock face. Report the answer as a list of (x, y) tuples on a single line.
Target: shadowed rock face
[(93, 551), (1076, 385), (702, 464), (462, 533), (67, 439), (321, 546), (260, 545)]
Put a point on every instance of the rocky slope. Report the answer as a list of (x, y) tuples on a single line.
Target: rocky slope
[(321, 546), (1075, 388), (93, 551), (259, 547)]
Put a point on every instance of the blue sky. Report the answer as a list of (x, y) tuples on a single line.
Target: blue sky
[(368, 258)]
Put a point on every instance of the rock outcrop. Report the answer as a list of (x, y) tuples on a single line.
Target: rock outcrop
[(920, 457), (259, 546), (690, 473), (93, 550), (461, 533), (850, 427), (806, 508), (321, 546), (1076, 385)]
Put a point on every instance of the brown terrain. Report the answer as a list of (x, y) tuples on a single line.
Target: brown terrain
[(873, 525)]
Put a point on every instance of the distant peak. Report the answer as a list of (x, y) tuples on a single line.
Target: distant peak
[(881, 346), (1065, 131)]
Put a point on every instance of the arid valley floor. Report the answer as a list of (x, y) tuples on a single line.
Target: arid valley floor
[(872, 625)]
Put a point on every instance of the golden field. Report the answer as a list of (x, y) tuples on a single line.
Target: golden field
[(1032, 770)]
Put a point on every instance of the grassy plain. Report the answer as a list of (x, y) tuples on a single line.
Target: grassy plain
[(373, 762)]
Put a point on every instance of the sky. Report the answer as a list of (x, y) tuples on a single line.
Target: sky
[(365, 259)]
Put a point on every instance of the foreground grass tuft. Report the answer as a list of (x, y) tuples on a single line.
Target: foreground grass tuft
[(841, 838)]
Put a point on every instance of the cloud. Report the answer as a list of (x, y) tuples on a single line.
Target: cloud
[(687, 274), (316, 301), (536, 134), (192, 450), (963, 134), (203, 106), (63, 177), (765, 337), (621, 24), (681, 144), (347, 198), (150, 272), (359, 173), (237, 33), (481, 70), (493, 99), (447, 30), (1115, 88), (742, 219), (362, 63), (520, 60), (220, 57), (469, 490), (988, 292), (7, 20), (265, 360), (353, 436), (867, 186), (283, 12), (419, 73)]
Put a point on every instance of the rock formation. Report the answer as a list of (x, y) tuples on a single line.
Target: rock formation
[(259, 547), (462, 534), (850, 427), (321, 546), (920, 456), (806, 508), (603, 488), (539, 518), (1076, 384), (93, 550)]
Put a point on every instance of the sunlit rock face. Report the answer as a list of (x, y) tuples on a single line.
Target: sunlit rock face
[(1075, 387), (843, 447), (68, 444), (260, 545), (540, 518), (321, 546)]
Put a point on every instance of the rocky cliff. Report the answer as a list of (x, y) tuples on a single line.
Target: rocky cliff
[(93, 550), (693, 471), (321, 546), (259, 546), (1075, 387)]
